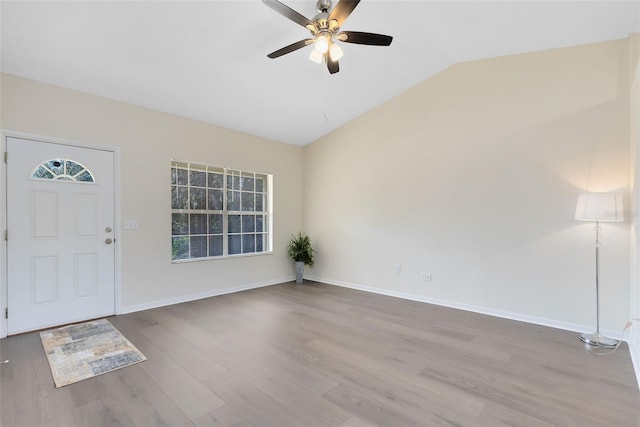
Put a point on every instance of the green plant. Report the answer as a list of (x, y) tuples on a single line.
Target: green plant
[(300, 249)]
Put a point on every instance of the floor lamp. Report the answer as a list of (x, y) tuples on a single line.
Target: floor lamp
[(599, 207)]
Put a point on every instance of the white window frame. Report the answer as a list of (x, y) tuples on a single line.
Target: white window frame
[(266, 213)]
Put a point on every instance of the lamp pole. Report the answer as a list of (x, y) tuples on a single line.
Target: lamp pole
[(597, 339)]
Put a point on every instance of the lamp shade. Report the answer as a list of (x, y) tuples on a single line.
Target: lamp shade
[(600, 207)]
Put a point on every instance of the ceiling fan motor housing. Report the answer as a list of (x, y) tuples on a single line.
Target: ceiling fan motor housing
[(323, 5), (320, 22)]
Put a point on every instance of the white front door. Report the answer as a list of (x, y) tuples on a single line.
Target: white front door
[(60, 220)]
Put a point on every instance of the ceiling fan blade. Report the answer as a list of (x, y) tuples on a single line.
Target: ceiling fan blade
[(365, 38), (288, 49), (287, 12), (332, 65), (342, 10)]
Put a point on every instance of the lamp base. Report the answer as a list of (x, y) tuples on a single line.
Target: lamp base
[(598, 340)]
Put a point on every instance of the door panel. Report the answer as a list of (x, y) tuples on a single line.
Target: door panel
[(60, 213), (86, 212), (44, 215), (44, 279)]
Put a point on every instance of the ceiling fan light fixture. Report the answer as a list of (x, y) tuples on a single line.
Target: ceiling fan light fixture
[(336, 52), (322, 44), (316, 56)]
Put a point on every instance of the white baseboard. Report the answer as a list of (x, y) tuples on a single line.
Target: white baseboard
[(200, 295), (634, 350), (476, 309)]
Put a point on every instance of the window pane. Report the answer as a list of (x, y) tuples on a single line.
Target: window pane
[(215, 180), (179, 173), (247, 183), (215, 224), (215, 200), (198, 224), (234, 244), (234, 224), (180, 248), (248, 243), (259, 223), (247, 202), (248, 223), (179, 224), (197, 179), (233, 180), (215, 246), (56, 166), (179, 198), (174, 197), (233, 200), (73, 168), (42, 172), (182, 177), (198, 198), (260, 242), (260, 183), (259, 202), (84, 177), (198, 247)]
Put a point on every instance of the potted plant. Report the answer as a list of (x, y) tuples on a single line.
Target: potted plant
[(301, 251)]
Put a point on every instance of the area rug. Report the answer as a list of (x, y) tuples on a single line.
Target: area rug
[(81, 351)]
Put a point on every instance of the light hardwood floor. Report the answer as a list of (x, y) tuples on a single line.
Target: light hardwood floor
[(320, 355)]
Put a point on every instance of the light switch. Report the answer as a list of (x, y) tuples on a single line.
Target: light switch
[(131, 224)]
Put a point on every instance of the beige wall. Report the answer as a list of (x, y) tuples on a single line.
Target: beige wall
[(473, 176), (634, 139), (148, 140)]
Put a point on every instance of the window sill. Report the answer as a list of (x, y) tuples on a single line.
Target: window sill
[(252, 254)]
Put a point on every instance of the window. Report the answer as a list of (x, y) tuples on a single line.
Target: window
[(218, 212), (62, 170)]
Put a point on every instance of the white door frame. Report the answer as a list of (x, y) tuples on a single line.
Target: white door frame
[(3, 215)]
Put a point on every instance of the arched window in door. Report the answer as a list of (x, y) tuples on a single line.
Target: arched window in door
[(62, 170)]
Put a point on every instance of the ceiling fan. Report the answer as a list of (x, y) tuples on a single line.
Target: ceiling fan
[(325, 31)]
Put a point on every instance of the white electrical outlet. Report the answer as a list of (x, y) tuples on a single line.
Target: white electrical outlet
[(425, 276), (397, 269)]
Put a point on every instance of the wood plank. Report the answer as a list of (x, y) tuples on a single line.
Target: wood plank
[(357, 422), (224, 416), (104, 412), (283, 360), (183, 353), (186, 391), (144, 401), (191, 396), (420, 399), (373, 410), (27, 392), (253, 404)]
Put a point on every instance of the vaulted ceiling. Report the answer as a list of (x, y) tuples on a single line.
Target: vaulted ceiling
[(206, 60)]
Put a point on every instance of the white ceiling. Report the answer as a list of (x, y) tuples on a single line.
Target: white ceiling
[(206, 60)]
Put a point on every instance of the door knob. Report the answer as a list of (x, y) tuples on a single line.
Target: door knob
[(108, 241)]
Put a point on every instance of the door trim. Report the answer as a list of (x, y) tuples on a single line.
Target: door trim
[(4, 133)]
